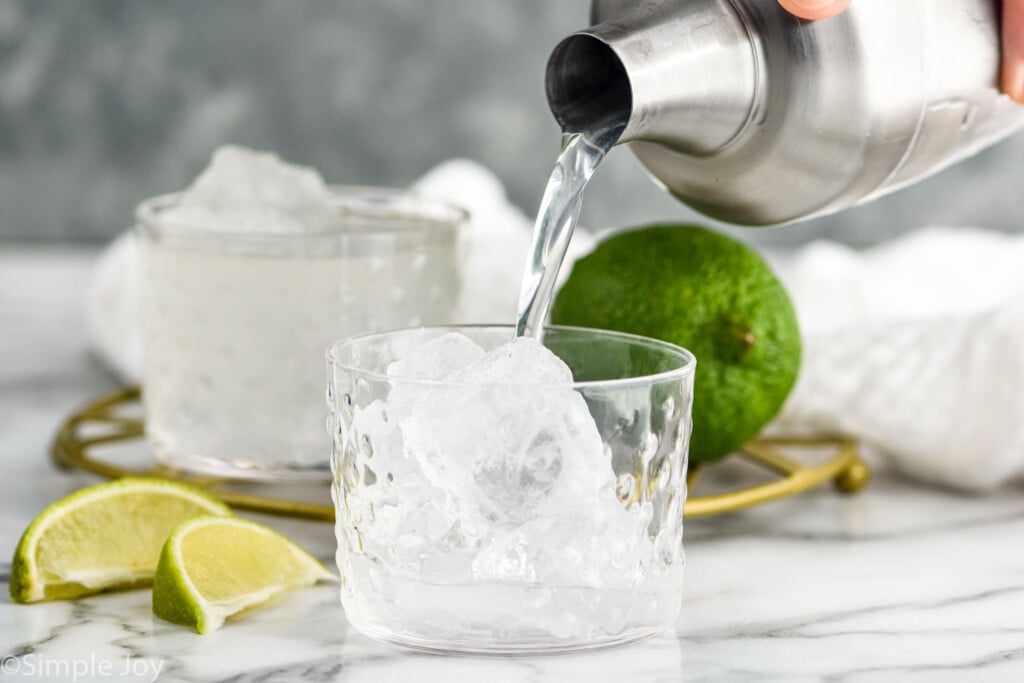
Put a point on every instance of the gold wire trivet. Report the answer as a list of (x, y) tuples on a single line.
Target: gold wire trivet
[(71, 449)]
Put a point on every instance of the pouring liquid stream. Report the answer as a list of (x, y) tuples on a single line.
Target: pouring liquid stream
[(556, 219)]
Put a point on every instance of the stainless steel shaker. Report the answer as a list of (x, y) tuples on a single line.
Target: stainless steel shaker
[(753, 116)]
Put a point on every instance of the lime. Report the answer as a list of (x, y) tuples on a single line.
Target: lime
[(214, 567), (710, 294), (103, 537)]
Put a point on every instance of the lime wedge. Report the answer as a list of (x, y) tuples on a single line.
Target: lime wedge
[(103, 537), (214, 567)]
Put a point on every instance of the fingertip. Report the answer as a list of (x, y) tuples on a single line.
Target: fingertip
[(1013, 80), (814, 9)]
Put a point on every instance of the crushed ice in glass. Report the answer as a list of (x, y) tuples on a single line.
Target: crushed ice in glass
[(249, 191), (495, 471)]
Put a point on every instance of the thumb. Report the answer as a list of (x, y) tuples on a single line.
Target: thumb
[(814, 9)]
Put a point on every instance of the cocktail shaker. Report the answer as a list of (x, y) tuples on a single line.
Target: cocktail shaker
[(755, 117)]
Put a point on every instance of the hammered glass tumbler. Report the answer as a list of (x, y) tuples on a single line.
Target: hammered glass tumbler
[(507, 517)]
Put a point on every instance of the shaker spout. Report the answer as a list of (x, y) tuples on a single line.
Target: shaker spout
[(587, 85), (681, 73)]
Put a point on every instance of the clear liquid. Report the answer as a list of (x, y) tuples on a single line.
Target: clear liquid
[(556, 219)]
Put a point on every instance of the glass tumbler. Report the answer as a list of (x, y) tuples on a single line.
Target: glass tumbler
[(235, 323), (507, 518)]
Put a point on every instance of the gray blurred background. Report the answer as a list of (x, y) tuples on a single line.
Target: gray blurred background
[(106, 102)]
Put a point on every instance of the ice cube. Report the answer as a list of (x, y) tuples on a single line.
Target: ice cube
[(246, 190), (521, 361), (437, 358), (377, 445), (434, 360), (401, 514), (508, 439), (599, 545)]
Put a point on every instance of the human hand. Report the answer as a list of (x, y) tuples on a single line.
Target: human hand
[(1012, 78)]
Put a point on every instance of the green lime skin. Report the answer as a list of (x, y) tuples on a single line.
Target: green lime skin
[(710, 294)]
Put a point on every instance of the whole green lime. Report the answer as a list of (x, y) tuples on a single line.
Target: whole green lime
[(710, 294)]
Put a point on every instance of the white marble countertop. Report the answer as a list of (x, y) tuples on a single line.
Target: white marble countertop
[(900, 582)]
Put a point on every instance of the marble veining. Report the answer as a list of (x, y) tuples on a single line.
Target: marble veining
[(900, 583)]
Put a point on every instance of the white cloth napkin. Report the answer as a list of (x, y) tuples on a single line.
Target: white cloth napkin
[(915, 346)]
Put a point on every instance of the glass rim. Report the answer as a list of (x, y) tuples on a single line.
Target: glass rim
[(434, 212), (686, 369)]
